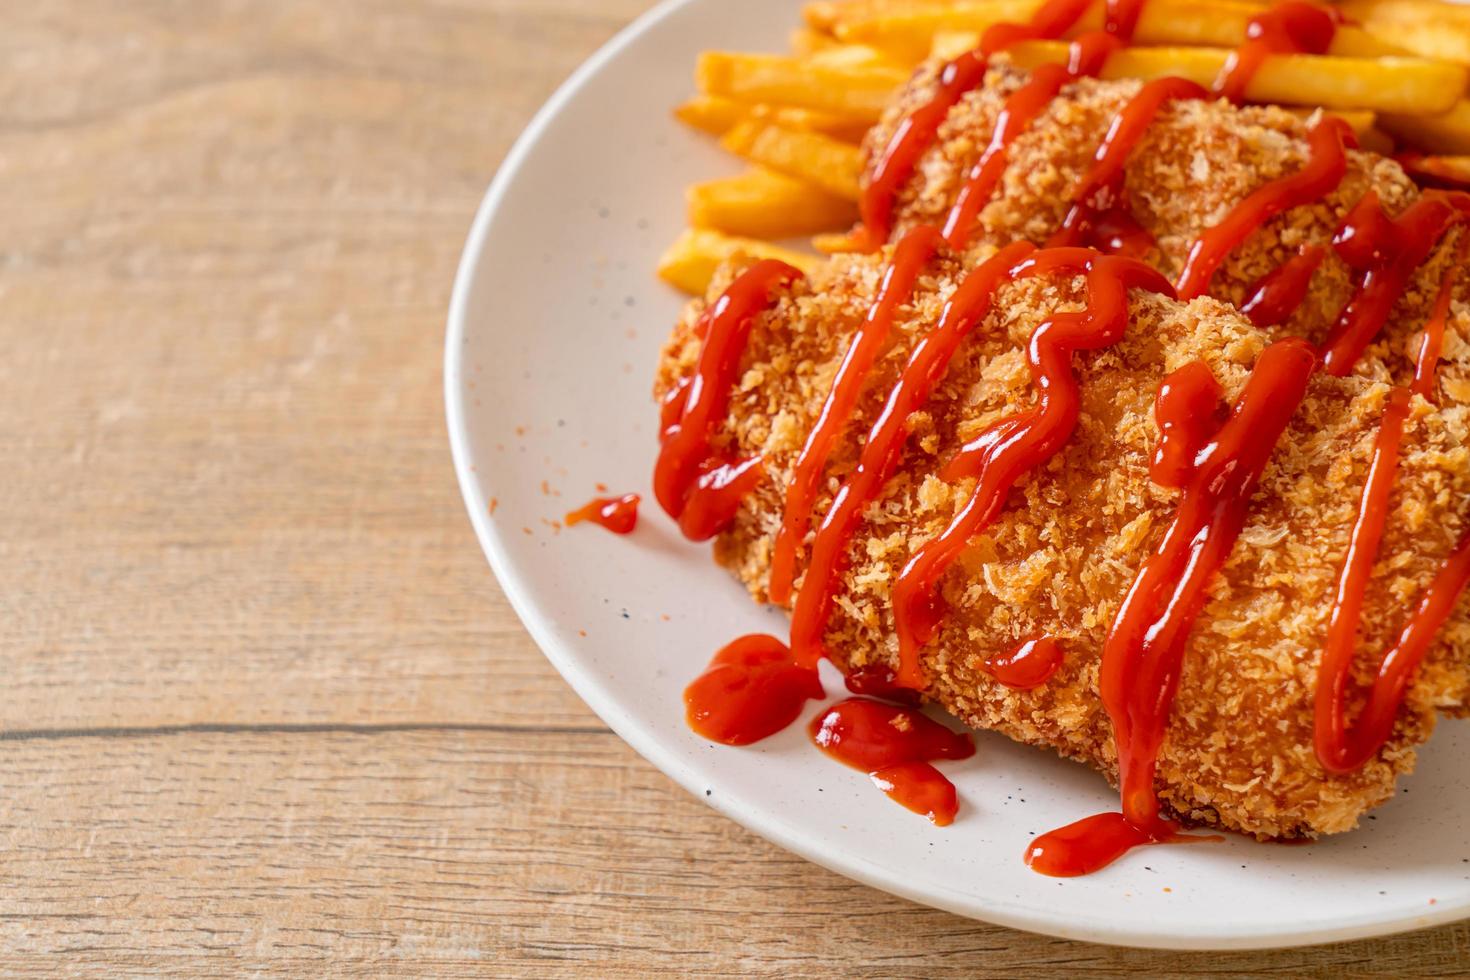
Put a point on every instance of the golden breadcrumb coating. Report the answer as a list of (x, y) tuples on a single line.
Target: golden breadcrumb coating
[(1196, 161), (1239, 748)]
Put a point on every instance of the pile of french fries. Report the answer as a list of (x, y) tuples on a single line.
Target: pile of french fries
[(1396, 71)]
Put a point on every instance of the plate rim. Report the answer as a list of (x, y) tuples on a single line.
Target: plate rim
[(587, 686)]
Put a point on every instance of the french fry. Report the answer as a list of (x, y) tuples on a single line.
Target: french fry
[(825, 15), (716, 115), (1361, 120), (821, 160), (821, 16), (711, 113), (1444, 171), (764, 204), (948, 45), (1391, 85), (1425, 27), (1448, 133), (851, 57), (834, 243), (1364, 125), (690, 263), (908, 36), (807, 41), (857, 93)]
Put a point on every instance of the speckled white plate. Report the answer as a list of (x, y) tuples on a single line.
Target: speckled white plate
[(553, 333)]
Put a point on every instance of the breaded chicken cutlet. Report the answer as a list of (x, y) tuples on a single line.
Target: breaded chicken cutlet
[(1196, 161), (1062, 554), (1243, 741)]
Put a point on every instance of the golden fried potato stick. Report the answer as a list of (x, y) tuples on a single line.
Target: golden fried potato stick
[(1430, 28), (1391, 85), (690, 263), (1209, 23), (761, 203), (856, 92), (820, 160), (717, 116), (1448, 132)]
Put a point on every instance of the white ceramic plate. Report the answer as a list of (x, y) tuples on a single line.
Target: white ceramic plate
[(553, 334)]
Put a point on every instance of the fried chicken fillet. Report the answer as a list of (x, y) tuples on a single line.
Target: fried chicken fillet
[(1238, 751), (1196, 161)]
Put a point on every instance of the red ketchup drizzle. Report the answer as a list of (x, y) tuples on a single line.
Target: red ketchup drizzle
[(618, 514), (1290, 27), (1022, 441), (1144, 650), (1326, 164), (1097, 200), (1187, 411), (751, 689), (1088, 53), (1030, 665), (692, 483), (1386, 252), (913, 136), (1277, 294), (883, 447), (910, 256), (917, 132), (1339, 748), (1117, 232), (895, 745), (1426, 365), (1120, 18)]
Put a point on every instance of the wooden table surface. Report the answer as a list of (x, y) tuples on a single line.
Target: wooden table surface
[(266, 709)]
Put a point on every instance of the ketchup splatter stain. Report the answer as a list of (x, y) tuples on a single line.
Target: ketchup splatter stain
[(751, 689), (618, 514), (1088, 845), (895, 745), (919, 787), (1029, 665), (868, 735)]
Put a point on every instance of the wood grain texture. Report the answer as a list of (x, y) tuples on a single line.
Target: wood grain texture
[(265, 709)]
